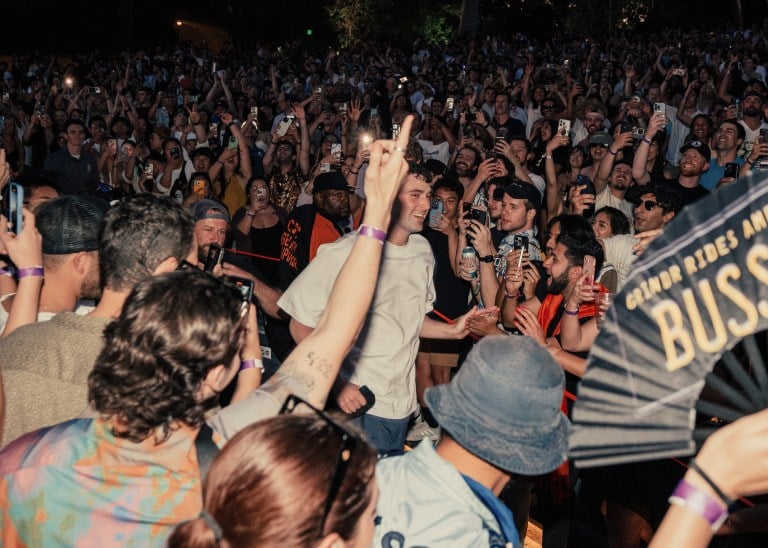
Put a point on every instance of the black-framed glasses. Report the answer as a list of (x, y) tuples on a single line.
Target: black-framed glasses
[(649, 204), (347, 445), (547, 107)]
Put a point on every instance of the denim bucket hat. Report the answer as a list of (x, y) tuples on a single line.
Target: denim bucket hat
[(504, 406)]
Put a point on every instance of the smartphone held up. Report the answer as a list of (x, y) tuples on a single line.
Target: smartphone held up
[(14, 211)]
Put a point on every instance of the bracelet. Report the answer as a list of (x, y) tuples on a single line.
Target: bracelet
[(547, 156), (371, 232), (354, 171), (646, 141), (612, 153), (36, 271), (5, 272), (729, 502), (229, 125), (253, 363), (569, 313), (699, 502)]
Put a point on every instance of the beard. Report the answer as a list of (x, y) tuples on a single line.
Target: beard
[(463, 171), (558, 285), (90, 288), (752, 111), (202, 253), (620, 185)]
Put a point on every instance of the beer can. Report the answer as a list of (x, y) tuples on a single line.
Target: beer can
[(469, 261)]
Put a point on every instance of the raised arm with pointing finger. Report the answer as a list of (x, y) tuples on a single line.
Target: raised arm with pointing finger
[(315, 362)]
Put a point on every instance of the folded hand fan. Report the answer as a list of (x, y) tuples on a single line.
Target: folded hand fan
[(682, 350)]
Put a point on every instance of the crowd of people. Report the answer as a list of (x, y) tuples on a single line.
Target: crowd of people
[(246, 279)]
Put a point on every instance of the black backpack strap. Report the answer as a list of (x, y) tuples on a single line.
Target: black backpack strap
[(206, 449)]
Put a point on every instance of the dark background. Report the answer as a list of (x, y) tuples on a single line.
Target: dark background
[(79, 25)]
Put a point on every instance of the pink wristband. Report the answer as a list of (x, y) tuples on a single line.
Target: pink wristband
[(371, 232), (31, 271)]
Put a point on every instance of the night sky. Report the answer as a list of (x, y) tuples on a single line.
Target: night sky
[(80, 25)]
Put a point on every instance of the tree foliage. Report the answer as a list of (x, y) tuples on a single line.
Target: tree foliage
[(360, 20), (439, 21)]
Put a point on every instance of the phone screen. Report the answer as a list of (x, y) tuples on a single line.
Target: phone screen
[(15, 207)]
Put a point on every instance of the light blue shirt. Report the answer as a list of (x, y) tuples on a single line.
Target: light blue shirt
[(712, 176)]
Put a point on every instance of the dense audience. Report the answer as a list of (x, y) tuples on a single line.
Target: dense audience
[(526, 177)]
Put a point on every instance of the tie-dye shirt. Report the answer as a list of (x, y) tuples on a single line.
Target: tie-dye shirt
[(75, 484)]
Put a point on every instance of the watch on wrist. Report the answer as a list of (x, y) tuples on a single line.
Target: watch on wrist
[(486, 258)]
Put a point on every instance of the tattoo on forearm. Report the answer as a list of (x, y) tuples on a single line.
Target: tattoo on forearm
[(320, 364), (316, 365)]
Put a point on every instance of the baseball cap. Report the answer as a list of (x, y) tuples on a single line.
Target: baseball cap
[(70, 224), (209, 209), (524, 191), (332, 180), (504, 406), (699, 147)]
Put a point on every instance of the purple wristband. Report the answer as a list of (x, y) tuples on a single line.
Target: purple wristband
[(574, 313), (371, 232), (699, 502), (31, 271), (253, 363)]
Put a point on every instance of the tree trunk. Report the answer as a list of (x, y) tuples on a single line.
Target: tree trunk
[(470, 17)]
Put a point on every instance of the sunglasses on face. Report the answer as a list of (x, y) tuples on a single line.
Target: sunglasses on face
[(347, 444), (649, 205)]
